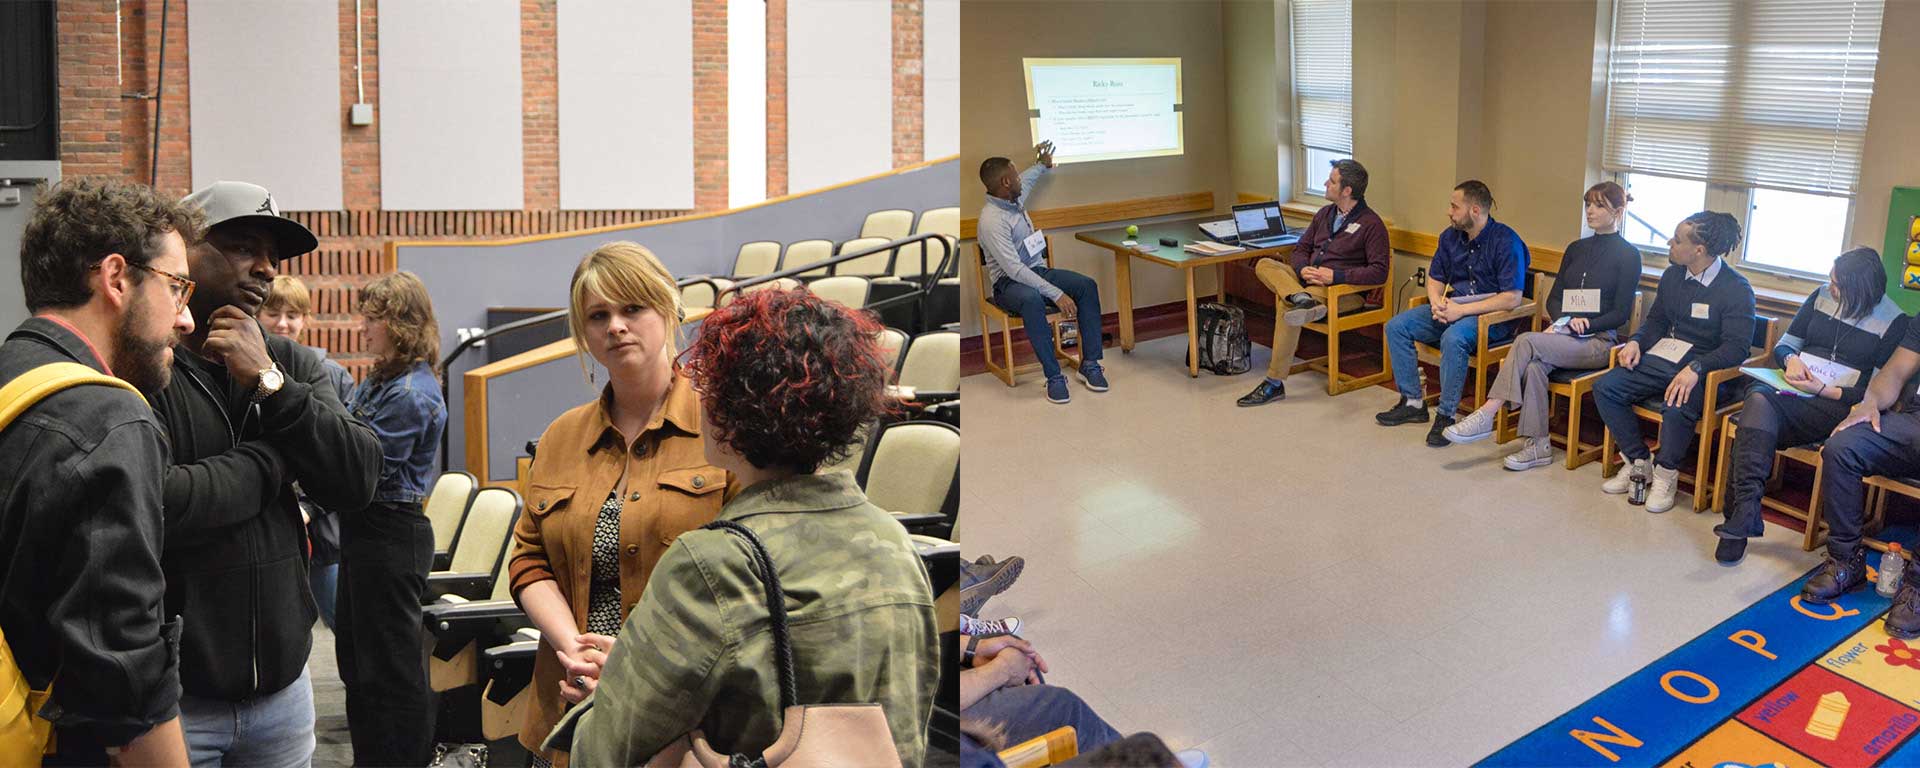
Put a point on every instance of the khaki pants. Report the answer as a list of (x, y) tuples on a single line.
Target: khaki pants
[(1523, 375), (1280, 278)]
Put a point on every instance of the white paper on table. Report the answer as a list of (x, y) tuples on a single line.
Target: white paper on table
[(1671, 349)]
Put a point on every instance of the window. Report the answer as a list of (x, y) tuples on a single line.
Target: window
[(1756, 108), (1322, 87)]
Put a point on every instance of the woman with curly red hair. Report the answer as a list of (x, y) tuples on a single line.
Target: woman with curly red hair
[(785, 380)]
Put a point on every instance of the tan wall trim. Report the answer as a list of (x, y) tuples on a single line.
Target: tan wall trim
[(1101, 213)]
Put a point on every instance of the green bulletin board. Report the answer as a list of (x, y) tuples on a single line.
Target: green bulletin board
[(1903, 270)]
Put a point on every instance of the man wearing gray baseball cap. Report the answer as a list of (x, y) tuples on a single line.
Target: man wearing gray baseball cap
[(248, 414)]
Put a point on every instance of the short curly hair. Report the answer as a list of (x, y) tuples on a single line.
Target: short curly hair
[(787, 378), (82, 220)]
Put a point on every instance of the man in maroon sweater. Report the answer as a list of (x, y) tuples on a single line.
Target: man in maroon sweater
[(1345, 244)]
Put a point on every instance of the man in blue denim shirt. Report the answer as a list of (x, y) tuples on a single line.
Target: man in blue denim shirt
[(1022, 283), (1480, 267)]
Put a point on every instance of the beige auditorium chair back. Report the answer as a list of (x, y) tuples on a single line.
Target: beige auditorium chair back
[(912, 467), (887, 225), (756, 259), (892, 342), (871, 265), (938, 221), (447, 504), (807, 252), (700, 295), (489, 526), (847, 290), (932, 362)]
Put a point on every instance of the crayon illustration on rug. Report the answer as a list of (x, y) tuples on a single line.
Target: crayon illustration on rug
[(1782, 683)]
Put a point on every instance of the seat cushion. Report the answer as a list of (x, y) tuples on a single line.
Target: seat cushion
[(1567, 375)]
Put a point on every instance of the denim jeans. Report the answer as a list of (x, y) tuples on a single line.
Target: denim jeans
[(325, 580), (1456, 342), (273, 730), (1022, 712), (1033, 308), (1615, 394)]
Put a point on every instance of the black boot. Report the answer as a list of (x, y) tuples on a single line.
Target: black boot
[(1904, 620), (1840, 574), (1748, 468)]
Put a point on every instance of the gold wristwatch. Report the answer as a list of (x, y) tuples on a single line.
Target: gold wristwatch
[(271, 379)]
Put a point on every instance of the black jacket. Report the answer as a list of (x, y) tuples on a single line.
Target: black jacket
[(236, 551), (80, 543)]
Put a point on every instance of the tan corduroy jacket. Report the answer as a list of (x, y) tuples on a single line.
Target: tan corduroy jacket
[(670, 489)]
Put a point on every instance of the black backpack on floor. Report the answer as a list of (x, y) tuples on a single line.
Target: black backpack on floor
[(1223, 343)]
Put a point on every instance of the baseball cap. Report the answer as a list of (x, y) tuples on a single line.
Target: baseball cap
[(224, 201)]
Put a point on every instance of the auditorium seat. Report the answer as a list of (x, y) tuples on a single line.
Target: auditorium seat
[(807, 252), (888, 225), (932, 363), (913, 468), (701, 295), (876, 264), (756, 259), (508, 671), (446, 508), (481, 546), (847, 290)]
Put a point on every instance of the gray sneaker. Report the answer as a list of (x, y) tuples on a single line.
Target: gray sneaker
[(983, 578), (1302, 315), (1473, 428), (1538, 452)]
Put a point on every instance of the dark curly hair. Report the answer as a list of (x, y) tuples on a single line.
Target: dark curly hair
[(1719, 232), (82, 220), (787, 378)]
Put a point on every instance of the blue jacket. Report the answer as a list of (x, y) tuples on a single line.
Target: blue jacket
[(408, 414)]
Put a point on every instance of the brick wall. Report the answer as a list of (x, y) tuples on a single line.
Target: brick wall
[(104, 133)]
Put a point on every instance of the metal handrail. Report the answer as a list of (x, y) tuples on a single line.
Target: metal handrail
[(928, 280)]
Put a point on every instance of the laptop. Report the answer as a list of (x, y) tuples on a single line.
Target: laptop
[(1260, 225)]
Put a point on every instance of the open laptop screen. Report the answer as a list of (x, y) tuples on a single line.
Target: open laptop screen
[(1257, 220)]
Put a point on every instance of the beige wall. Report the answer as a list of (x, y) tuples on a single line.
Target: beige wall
[(1254, 107), (995, 36)]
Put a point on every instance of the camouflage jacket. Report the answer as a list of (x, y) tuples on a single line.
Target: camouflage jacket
[(697, 651)]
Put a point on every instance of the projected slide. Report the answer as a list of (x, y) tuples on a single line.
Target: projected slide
[(1105, 109)]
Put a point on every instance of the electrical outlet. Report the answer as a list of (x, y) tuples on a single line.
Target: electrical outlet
[(360, 114), (1420, 276)]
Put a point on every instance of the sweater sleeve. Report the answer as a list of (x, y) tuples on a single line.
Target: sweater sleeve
[(1657, 324), (1736, 330), (1796, 336)]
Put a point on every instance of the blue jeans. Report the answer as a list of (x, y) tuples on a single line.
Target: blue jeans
[(1023, 712), (325, 580), (273, 730), (1033, 308), (1456, 342)]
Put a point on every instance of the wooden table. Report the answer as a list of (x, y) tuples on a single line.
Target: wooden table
[(1185, 231)]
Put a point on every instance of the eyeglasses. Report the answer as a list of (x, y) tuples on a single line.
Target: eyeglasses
[(182, 287)]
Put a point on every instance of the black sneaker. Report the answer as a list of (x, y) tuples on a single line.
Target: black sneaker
[(1266, 392), (1730, 551), (1302, 300), (1835, 578), (1904, 620), (1437, 437), (1401, 413)]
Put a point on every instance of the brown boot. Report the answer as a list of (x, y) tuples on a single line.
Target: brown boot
[(1840, 574), (1904, 620)]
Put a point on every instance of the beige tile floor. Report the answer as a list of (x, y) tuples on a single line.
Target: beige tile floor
[(1295, 585)]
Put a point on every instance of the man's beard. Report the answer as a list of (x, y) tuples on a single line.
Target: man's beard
[(1460, 225), (141, 362)]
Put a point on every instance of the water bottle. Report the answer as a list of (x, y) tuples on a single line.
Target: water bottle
[(1637, 492), (1069, 334), (1892, 565)]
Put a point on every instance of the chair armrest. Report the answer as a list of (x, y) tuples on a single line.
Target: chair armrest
[(442, 560), (508, 669), (1528, 310), (916, 522), (1417, 300), (455, 626), (1344, 289), (472, 586)]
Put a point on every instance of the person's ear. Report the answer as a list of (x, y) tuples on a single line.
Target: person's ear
[(116, 285)]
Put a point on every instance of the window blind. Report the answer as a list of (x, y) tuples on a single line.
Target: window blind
[(1762, 93), (1323, 72)]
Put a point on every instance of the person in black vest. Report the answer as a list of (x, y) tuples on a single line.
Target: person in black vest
[(1841, 335), (1701, 321), (103, 265), (249, 414)]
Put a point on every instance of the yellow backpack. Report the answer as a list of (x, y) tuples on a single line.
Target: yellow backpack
[(24, 735)]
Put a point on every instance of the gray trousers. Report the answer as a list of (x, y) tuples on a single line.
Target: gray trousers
[(1523, 376)]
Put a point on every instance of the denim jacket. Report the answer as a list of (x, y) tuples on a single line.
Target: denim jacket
[(408, 414)]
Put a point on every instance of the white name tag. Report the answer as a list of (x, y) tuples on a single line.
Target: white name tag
[(1352, 228), (1829, 371), (1580, 300), (1036, 243), (1670, 349), (1700, 311)]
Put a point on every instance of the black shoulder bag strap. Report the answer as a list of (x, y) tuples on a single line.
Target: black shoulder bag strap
[(777, 613)]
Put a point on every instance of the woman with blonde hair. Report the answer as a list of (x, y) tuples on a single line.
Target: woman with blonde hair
[(386, 549), (615, 481), (1591, 304)]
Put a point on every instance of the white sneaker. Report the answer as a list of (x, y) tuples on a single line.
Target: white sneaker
[(1538, 452), (1666, 485), (1191, 758), (1473, 428), (1622, 481)]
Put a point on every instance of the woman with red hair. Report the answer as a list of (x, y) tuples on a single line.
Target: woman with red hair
[(785, 381)]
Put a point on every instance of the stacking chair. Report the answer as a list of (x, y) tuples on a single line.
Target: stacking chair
[(756, 259), (887, 225), (1337, 323), (931, 365), (912, 469), (876, 264), (807, 252), (1809, 455), (1877, 489), (1766, 332), (481, 546), (446, 507), (989, 311), (1051, 748), (1485, 355), (848, 290), (1573, 385)]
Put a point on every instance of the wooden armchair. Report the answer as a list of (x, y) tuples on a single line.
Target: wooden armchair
[(1766, 333), (1006, 370), (1804, 454), (1338, 322), (1573, 385), (1485, 355), (1051, 748)]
